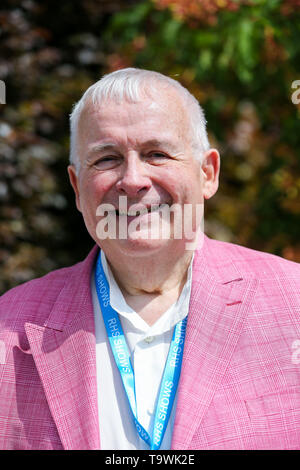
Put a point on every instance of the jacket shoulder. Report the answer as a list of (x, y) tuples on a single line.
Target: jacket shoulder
[(251, 262), (33, 300)]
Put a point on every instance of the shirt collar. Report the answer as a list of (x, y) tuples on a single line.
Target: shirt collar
[(166, 322)]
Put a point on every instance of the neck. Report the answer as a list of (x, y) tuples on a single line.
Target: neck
[(151, 277), (151, 286)]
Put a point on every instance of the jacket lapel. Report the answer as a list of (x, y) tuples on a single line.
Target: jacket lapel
[(64, 353), (218, 309)]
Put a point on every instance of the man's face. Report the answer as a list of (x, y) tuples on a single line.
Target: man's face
[(141, 151)]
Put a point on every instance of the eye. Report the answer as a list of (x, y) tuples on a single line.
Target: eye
[(106, 163), (157, 156)]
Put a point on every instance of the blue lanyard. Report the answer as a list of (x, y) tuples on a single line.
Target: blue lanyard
[(121, 354)]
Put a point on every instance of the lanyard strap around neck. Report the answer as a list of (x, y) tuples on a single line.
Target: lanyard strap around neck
[(121, 355)]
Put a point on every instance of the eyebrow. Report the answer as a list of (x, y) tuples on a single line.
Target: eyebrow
[(159, 143), (103, 146), (112, 145)]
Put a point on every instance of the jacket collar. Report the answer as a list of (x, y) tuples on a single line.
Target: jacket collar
[(220, 300), (75, 296)]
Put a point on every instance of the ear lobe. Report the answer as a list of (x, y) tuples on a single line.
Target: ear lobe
[(75, 185), (211, 169)]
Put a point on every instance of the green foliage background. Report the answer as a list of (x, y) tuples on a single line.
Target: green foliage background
[(238, 58)]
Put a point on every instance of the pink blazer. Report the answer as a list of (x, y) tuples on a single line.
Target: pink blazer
[(240, 379)]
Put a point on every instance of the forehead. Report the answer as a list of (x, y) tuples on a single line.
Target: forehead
[(161, 115)]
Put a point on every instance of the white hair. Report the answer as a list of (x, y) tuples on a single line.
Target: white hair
[(131, 84)]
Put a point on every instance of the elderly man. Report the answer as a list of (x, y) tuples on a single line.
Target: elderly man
[(161, 338)]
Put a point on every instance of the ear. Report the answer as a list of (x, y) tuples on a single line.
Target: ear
[(210, 169), (75, 184)]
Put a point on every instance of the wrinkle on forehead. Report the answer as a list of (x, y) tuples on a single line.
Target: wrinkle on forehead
[(167, 102)]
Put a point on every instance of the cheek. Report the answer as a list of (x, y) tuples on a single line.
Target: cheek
[(193, 191), (168, 180), (95, 187)]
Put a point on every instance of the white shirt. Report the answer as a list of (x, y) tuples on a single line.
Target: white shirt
[(149, 347)]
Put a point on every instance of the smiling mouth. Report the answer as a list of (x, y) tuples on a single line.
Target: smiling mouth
[(142, 211)]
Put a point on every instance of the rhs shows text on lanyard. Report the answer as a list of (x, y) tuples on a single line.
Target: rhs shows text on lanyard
[(121, 354)]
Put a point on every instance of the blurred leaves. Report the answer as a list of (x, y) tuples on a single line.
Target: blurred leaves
[(238, 57), (50, 52)]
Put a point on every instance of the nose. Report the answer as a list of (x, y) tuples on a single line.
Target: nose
[(134, 179)]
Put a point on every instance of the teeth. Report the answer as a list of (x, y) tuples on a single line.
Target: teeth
[(132, 213), (135, 212)]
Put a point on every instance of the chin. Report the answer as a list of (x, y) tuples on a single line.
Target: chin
[(138, 246)]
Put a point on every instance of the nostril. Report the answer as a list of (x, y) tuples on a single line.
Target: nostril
[(132, 187)]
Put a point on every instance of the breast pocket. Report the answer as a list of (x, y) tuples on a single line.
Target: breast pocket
[(275, 419)]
